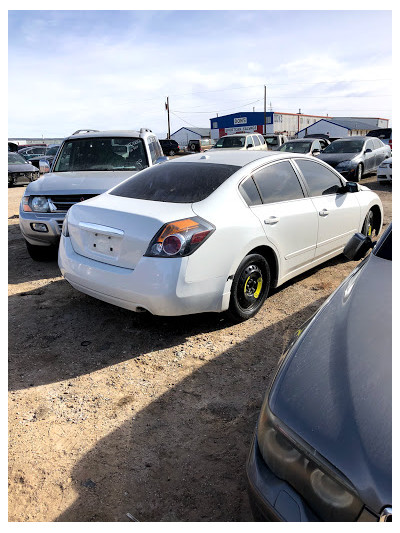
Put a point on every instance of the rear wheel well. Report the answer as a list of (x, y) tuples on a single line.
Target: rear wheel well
[(377, 220), (272, 260)]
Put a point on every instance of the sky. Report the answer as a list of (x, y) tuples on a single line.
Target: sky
[(70, 70)]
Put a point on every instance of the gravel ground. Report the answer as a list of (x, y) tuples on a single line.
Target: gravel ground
[(113, 413)]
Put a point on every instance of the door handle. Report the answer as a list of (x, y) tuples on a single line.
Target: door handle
[(324, 213), (271, 220)]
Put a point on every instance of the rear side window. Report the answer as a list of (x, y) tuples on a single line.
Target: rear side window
[(176, 182), (278, 183), (320, 180), (250, 192)]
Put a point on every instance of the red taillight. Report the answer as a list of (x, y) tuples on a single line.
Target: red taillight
[(180, 238), (390, 143), (199, 237)]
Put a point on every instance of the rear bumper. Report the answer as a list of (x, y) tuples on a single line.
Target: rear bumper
[(272, 499), (155, 284)]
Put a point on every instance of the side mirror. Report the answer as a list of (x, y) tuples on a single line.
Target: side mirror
[(249, 146), (357, 247), (161, 159), (350, 186), (44, 166), (367, 151), (316, 152)]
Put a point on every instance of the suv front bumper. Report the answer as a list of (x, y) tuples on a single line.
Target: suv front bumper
[(52, 221)]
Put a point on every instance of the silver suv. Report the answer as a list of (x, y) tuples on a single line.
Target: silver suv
[(87, 164)]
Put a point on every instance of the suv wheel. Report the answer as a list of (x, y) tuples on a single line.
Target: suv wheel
[(42, 253)]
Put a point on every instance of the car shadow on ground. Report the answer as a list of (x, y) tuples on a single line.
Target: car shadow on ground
[(21, 267), (70, 334), (183, 457)]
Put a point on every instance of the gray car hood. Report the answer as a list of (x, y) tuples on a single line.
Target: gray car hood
[(337, 158), (22, 167), (94, 182), (335, 389)]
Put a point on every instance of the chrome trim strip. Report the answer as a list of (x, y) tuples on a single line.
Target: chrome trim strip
[(105, 230)]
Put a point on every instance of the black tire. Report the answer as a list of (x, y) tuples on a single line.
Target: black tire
[(42, 253), (368, 225), (192, 147), (250, 287), (359, 173), (10, 182), (171, 152)]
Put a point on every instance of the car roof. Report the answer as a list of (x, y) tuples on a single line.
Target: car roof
[(239, 158), (354, 137), (109, 133), (310, 139)]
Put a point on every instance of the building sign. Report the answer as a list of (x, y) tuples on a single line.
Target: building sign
[(240, 129), (240, 120)]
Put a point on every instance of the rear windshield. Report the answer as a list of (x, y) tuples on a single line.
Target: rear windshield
[(298, 148), (176, 182)]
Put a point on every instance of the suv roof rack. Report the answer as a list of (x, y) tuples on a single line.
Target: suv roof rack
[(82, 131)]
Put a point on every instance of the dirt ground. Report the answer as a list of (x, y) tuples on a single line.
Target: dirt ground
[(117, 416)]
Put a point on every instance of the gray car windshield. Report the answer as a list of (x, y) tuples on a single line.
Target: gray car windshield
[(230, 142), (16, 159), (102, 153), (298, 148), (344, 147)]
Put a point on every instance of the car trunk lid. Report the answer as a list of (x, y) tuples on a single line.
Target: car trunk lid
[(117, 230)]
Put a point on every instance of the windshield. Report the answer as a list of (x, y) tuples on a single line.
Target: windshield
[(16, 159), (231, 142), (102, 153), (344, 147), (273, 141), (298, 148), (52, 150)]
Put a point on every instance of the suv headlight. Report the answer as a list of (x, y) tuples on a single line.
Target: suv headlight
[(329, 494), (40, 204)]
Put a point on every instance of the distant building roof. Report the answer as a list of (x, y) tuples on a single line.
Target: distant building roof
[(203, 132), (352, 123)]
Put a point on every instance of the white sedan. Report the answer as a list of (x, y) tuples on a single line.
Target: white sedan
[(212, 232), (384, 171)]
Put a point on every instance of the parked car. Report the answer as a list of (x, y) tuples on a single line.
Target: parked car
[(355, 156), (87, 164), (324, 140), (20, 171), (302, 146), (384, 172), (212, 232), (274, 140), (200, 145), (32, 151), (169, 146), (322, 449), (48, 156), (241, 141), (12, 147), (383, 134)]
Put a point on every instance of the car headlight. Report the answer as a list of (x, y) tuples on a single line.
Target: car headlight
[(345, 165), (329, 494), (40, 204)]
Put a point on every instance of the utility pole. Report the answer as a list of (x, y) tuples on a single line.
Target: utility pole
[(167, 108), (265, 109)]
